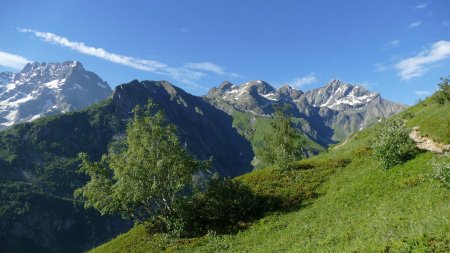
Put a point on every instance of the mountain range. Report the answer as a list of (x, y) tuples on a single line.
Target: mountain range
[(331, 112), (38, 159)]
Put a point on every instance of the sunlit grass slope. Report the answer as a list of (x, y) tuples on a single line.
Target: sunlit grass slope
[(338, 201)]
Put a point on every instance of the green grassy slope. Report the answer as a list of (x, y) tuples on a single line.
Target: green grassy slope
[(350, 205), (432, 119)]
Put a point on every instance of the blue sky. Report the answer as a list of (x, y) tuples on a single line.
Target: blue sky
[(398, 48)]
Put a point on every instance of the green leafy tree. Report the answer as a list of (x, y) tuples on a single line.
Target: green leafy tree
[(147, 177), (442, 96), (392, 145), (284, 144)]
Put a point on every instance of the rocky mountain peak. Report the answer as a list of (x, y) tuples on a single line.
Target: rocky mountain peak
[(288, 92), (48, 88), (339, 95), (260, 86), (226, 85)]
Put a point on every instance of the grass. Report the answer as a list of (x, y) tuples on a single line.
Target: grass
[(349, 204), (432, 119)]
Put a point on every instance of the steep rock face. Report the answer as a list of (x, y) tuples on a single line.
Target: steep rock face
[(48, 88), (333, 111)]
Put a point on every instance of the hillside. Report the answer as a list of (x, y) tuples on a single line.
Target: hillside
[(348, 204)]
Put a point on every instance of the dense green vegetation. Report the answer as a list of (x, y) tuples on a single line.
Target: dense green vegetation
[(338, 201)]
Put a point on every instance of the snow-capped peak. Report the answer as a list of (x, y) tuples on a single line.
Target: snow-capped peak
[(337, 93), (47, 88), (231, 92)]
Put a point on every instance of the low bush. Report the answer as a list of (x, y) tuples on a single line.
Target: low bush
[(442, 96), (362, 151), (441, 168), (225, 206), (392, 144)]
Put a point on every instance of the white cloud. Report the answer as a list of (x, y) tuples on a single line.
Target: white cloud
[(187, 76), (305, 80), (420, 6), (416, 66), (446, 23), (414, 24), (12, 61), (422, 93)]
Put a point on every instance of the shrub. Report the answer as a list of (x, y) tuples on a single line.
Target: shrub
[(442, 170), (224, 206), (442, 96), (363, 151), (407, 115), (392, 145)]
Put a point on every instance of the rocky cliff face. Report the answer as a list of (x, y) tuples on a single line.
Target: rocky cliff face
[(48, 88)]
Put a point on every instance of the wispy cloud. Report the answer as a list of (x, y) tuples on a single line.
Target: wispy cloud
[(416, 66), (391, 44), (420, 6), (446, 23), (414, 24), (12, 60), (184, 30), (305, 80), (422, 93), (182, 74)]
